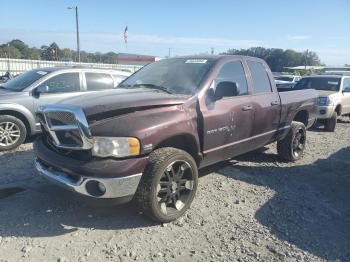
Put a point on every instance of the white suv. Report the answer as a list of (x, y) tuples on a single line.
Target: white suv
[(334, 96)]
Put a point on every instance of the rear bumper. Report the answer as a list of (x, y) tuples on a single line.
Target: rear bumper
[(98, 178)]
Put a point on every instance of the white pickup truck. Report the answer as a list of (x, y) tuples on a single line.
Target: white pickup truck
[(334, 97)]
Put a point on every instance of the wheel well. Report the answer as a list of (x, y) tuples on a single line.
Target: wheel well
[(302, 116), (19, 116), (338, 110), (184, 142)]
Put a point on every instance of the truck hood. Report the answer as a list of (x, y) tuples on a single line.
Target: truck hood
[(324, 93), (103, 104)]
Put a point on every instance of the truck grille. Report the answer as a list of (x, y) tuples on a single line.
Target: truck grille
[(66, 126)]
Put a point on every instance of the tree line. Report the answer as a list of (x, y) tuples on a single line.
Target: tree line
[(19, 50), (278, 58)]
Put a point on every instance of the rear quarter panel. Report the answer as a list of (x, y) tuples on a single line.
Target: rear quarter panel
[(296, 101)]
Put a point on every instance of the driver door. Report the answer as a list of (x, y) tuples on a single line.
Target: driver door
[(60, 87), (227, 121)]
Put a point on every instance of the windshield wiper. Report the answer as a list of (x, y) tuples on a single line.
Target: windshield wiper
[(152, 86)]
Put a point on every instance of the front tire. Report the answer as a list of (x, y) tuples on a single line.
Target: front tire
[(291, 148), (12, 132), (330, 124), (168, 185)]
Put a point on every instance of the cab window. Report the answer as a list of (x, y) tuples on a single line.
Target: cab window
[(261, 81), (233, 72), (98, 81), (63, 83)]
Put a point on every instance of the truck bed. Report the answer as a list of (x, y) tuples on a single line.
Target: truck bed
[(299, 100)]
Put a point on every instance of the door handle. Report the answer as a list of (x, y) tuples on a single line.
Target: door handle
[(275, 103), (247, 108)]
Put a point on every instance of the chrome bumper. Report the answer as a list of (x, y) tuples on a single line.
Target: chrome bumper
[(90, 186)]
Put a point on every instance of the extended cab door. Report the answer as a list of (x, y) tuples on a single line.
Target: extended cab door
[(228, 121), (265, 101)]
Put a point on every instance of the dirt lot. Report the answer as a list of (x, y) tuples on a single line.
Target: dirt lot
[(252, 208)]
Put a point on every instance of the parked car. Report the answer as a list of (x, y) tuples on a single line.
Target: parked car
[(334, 97), (147, 139), (21, 96), (287, 79), (281, 87)]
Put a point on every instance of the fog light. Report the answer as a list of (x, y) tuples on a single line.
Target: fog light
[(95, 188), (101, 187)]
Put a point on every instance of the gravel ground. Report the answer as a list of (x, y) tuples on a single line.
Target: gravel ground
[(253, 208)]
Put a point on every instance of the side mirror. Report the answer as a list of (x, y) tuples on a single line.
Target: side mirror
[(42, 89), (226, 89), (346, 89)]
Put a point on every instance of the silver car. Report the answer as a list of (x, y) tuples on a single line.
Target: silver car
[(21, 96)]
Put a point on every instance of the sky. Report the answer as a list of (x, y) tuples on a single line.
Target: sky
[(186, 27)]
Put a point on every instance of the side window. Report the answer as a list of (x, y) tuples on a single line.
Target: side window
[(98, 81), (63, 83), (233, 72), (261, 81), (346, 83)]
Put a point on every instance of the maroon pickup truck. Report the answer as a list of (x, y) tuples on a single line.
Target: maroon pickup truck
[(146, 140)]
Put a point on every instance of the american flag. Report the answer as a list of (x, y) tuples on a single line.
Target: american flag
[(126, 34)]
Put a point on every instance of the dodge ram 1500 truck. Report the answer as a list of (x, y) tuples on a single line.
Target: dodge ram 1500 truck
[(146, 140)]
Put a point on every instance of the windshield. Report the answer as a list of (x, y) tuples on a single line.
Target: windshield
[(285, 78), (319, 83), (24, 80), (175, 75)]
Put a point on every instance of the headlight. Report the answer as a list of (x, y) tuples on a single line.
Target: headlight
[(115, 146), (325, 101)]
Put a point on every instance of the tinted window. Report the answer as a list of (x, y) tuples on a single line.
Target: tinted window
[(319, 83), (67, 82), (233, 72), (97, 81), (24, 80), (261, 82), (284, 78)]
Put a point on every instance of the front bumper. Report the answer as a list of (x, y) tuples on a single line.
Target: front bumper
[(89, 186), (325, 112), (98, 178)]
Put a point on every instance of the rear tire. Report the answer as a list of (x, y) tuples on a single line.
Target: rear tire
[(331, 123), (291, 148), (13, 132), (168, 185)]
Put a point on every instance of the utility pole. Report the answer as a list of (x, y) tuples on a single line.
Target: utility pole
[(306, 53), (169, 52), (212, 50), (77, 25), (8, 57)]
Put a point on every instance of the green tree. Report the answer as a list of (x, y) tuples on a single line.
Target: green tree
[(278, 58)]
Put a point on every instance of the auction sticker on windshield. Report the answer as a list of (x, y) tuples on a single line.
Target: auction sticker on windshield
[(41, 73), (196, 61)]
